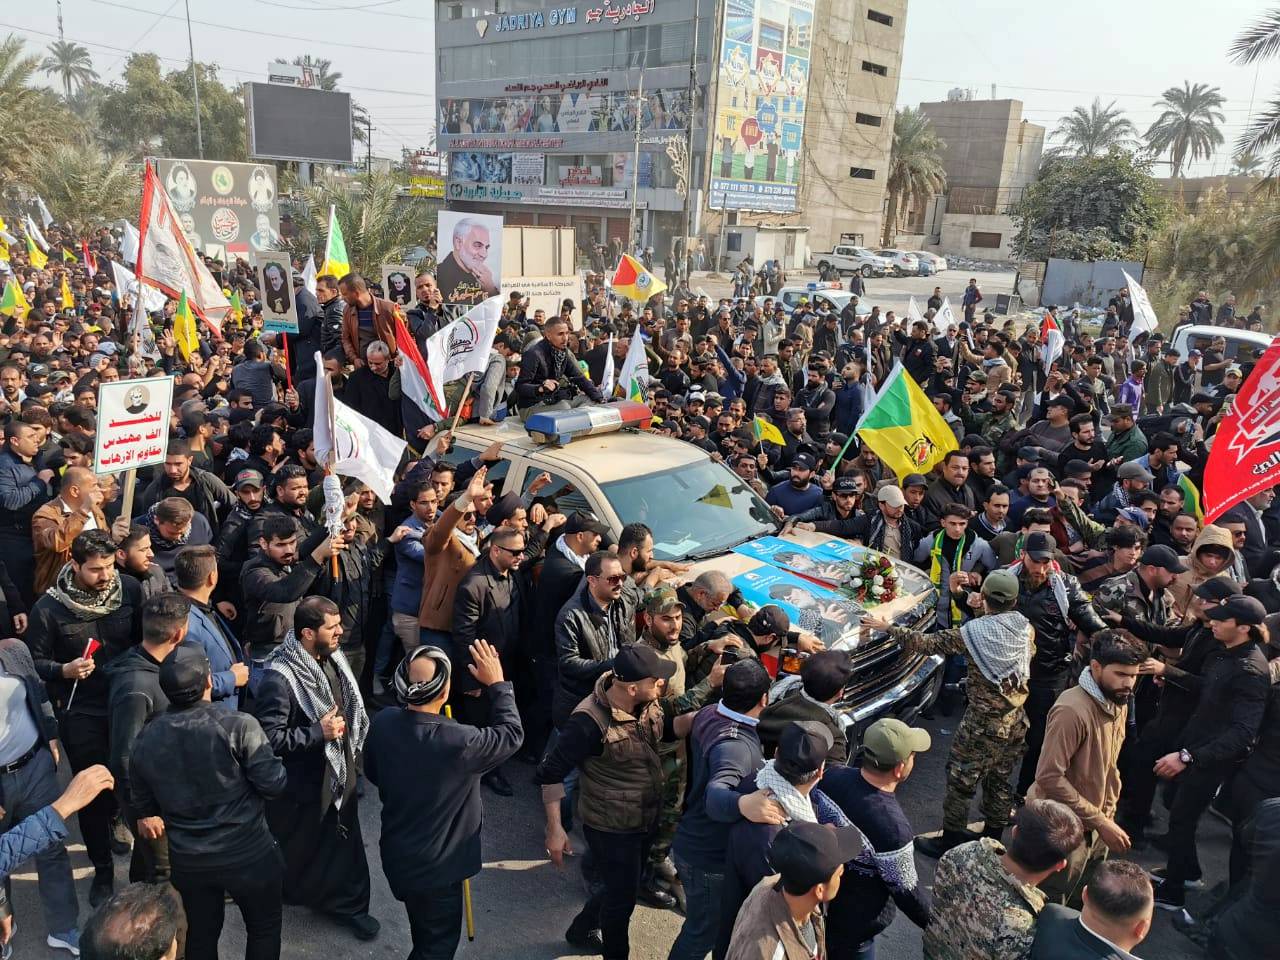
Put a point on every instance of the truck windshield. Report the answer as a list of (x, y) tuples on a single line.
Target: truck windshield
[(699, 508)]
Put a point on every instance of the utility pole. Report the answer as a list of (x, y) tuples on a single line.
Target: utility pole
[(635, 159), (195, 87), (368, 143), (682, 268), (61, 35)]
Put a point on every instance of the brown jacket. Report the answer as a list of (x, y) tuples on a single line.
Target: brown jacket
[(765, 929), (52, 531), (445, 562), (1078, 760), (384, 328)]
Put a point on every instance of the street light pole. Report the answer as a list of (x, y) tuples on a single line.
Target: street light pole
[(195, 87), (635, 159), (683, 269)]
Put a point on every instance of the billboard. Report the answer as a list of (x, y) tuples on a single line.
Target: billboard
[(762, 88), (569, 112), (294, 123), (227, 210)]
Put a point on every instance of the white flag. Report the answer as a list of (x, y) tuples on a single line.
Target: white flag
[(353, 445), (126, 282), (944, 317), (463, 346), (166, 259), (913, 313), (606, 381), (46, 217), (634, 377), (129, 241), (1144, 315), (1053, 342), (309, 275), (34, 233)]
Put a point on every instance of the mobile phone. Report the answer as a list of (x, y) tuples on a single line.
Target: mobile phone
[(730, 655)]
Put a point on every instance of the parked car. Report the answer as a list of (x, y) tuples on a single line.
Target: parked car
[(846, 258), (904, 264), (938, 263)]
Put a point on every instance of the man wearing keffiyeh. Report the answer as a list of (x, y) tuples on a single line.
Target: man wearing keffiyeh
[(309, 705), (989, 738)]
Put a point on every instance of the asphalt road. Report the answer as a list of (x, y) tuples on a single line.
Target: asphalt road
[(523, 904)]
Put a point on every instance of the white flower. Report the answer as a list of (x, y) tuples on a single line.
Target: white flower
[(878, 581), (855, 582), (877, 591)]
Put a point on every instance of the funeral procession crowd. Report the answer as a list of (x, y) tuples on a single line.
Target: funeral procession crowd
[(228, 672)]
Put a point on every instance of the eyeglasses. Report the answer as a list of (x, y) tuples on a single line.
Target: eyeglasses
[(614, 580), (514, 551)]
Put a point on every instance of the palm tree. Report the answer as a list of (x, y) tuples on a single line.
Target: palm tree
[(379, 225), (31, 120), (1188, 124), (1093, 131), (1261, 41), (71, 62), (326, 77), (1246, 165), (915, 166), (85, 186)]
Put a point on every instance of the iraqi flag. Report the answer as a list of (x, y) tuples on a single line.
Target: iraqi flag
[(1052, 339), (415, 376)]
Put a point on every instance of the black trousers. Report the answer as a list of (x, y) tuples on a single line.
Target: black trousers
[(256, 890), (435, 922), (1196, 788), (85, 739), (618, 860), (1138, 776), (1041, 695)]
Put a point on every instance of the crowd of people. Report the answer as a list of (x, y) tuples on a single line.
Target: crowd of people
[(228, 676)]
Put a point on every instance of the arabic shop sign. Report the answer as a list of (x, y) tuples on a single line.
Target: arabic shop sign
[(609, 12)]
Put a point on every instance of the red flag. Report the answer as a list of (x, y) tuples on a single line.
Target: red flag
[(1246, 449), (415, 376), (89, 262), (92, 647)]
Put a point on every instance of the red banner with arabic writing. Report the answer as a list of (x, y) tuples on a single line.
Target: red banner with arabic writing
[(1245, 458)]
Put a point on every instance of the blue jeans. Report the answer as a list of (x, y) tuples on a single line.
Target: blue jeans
[(438, 638), (26, 790), (702, 891)]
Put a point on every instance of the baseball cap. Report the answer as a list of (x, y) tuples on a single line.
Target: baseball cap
[(915, 480), (184, 672), (978, 376), (247, 478), (770, 619), (1136, 516), (38, 370), (1078, 468), (845, 485), (1062, 400), (1241, 609), (1029, 453), (1134, 471), (1040, 546), (1121, 410), (1164, 557), (891, 495), (1194, 353), (805, 461), (662, 600), (638, 661), (807, 854), (582, 522), (504, 508), (1001, 586), (1217, 589), (805, 744), (889, 741)]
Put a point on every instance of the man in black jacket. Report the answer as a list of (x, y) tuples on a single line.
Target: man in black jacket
[(423, 318), (919, 352), (427, 769), (332, 307), (289, 484), (212, 815), (888, 529), (490, 604), (549, 373), (374, 389), (202, 489), (88, 617), (837, 516), (233, 543)]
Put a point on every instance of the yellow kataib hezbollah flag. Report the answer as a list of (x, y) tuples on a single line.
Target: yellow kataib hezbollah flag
[(37, 256), (13, 301), (67, 297), (904, 428), (633, 281), (184, 329)]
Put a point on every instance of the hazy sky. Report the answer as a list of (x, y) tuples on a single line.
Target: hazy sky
[(1051, 56)]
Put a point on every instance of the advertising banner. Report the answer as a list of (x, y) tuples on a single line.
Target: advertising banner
[(528, 169), (760, 102), (546, 294), (426, 185), (580, 176), (227, 210), (571, 112)]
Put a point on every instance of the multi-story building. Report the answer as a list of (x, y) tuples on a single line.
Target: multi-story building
[(785, 104)]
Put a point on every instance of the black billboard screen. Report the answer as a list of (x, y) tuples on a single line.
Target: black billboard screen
[(294, 123)]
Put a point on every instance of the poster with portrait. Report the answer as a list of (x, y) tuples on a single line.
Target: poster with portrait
[(133, 424), (469, 257), (397, 283), (275, 283), (820, 611), (227, 210)]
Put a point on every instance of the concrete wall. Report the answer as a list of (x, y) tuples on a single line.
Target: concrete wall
[(764, 243), (1090, 284), (991, 153), (957, 231), (833, 202)]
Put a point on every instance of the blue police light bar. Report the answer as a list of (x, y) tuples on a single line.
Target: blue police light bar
[(565, 426), (824, 285)]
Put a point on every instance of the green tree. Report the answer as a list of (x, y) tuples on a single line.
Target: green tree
[(1088, 132), (1187, 127), (379, 225), (70, 62), (1246, 165), (31, 119), (153, 112), (1091, 206), (326, 77), (85, 186), (1261, 41), (915, 166)]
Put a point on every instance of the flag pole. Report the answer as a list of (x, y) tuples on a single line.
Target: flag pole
[(288, 376), (466, 389)]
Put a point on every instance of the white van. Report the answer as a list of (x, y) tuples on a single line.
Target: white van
[(1184, 338)]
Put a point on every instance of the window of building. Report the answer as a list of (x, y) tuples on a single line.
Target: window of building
[(868, 119), (878, 69), (733, 242), (878, 17), (985, 239), (862, 173)]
